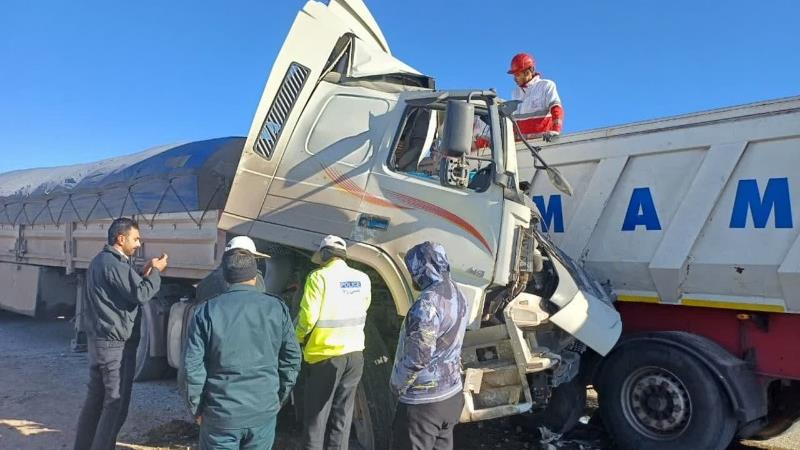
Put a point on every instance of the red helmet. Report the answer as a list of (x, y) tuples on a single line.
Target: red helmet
[(520, 62)]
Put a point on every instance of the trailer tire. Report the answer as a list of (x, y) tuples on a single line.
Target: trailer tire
[(655, 396), (149, 367), (188, 315)]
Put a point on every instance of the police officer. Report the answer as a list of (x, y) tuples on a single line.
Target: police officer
[(333, 312), (114, 291), (241, 360)]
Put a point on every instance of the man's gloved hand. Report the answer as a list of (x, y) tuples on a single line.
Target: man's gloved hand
[(550, 136)]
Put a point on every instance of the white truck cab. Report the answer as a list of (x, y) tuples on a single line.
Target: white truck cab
[(348, 140)]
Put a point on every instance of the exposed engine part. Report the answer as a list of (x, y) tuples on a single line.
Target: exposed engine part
[(540, 390), (550, 336), (492, 308), (567, 369), (577, 347), (531, 260), (528, 267), (544, 284)]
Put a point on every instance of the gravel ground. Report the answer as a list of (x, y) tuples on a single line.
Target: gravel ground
[(42, 387)]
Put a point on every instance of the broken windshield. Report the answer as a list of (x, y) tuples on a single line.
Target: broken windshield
[(418, 149)]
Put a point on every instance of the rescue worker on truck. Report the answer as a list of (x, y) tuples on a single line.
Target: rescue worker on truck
[(540, 113), (426, 376), (333, 312), (112, 320), (241, 360)]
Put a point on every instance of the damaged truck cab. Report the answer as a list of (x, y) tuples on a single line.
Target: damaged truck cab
[(348, 140)]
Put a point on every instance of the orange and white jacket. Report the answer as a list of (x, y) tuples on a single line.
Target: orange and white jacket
[(540, 110)]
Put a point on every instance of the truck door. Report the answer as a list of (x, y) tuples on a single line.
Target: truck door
[(406, 204), (320, 182)]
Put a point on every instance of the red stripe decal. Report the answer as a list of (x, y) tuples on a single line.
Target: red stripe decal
[(350, 187), (443, 213)]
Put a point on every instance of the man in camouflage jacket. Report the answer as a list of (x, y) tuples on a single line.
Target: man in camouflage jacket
[(427, 369)]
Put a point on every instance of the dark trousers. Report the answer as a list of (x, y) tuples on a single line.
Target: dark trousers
[(111, 369), (252, 438), (329, 398), (427, 426)]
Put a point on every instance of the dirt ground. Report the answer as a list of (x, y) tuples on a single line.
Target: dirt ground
[(42, 387)]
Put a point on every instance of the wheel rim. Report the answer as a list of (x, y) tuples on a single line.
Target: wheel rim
[(656, 403)]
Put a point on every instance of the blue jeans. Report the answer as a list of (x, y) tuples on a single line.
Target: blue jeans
[(252, 438)]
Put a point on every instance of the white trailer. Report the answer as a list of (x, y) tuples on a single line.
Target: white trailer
[(53, 221), (693, 221)]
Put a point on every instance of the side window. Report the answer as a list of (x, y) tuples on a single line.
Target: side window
[(342, 129), (416, 151)]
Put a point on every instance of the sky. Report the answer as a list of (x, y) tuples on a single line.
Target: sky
[(86, 80)]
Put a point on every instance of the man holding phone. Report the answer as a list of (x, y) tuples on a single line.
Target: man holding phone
[(114, 292)]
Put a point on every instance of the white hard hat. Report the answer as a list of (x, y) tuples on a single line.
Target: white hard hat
[(329, 241), (245, 243)]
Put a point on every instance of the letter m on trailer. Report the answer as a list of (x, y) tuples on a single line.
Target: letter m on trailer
[(776, 198), (552, 213)]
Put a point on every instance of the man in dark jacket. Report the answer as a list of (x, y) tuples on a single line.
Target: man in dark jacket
[(241, 361), (427, 368), (114, 291), (214, 283)]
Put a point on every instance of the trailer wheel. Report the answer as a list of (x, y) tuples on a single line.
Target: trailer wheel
[(188, 314), (657, 397), (149, 367)]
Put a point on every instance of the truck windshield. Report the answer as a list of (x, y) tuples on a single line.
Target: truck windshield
[(416, 152)]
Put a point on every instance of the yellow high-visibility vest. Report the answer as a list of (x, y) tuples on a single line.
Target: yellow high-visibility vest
[(333, 311)]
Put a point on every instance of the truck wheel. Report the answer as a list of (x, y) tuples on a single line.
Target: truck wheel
[(149, 367), (566, 406), (374, 405), (374, 408), (657, 397)]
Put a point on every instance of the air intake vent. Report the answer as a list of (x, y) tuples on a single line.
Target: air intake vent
[(281, 107)]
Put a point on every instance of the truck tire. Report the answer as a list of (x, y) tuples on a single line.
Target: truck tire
[(655, 396), (149, 367), (374, 406), (566, 406)]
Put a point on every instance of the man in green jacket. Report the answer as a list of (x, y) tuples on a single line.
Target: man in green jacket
[(241, 360)]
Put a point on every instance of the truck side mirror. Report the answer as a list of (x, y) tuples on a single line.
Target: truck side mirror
[(457, 130)]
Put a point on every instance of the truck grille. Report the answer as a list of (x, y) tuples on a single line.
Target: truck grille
[(281, 107)]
